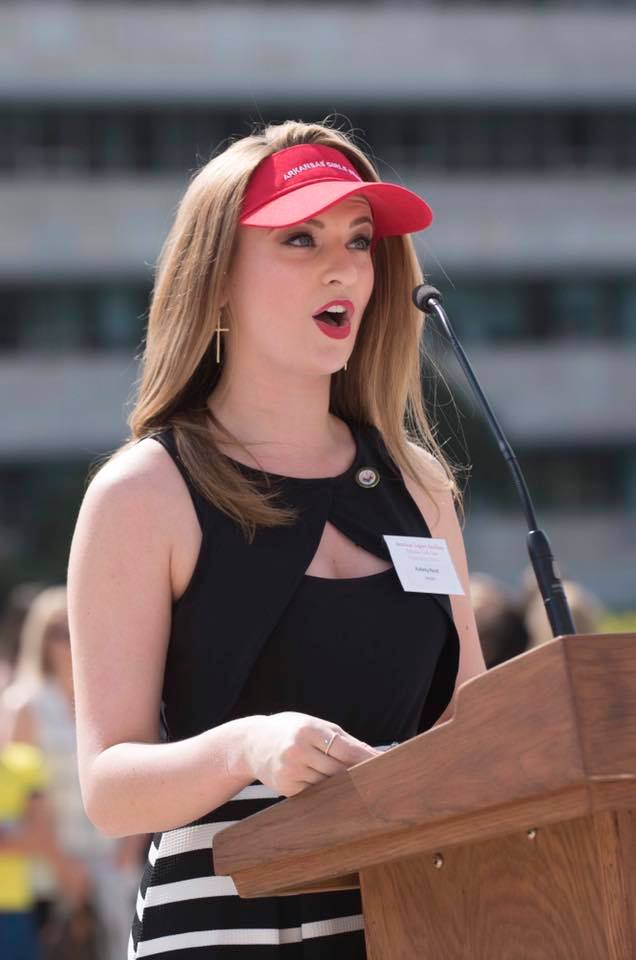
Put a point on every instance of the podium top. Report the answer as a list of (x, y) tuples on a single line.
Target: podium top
[(548, 736)]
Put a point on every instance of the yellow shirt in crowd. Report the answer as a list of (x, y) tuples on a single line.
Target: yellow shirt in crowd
[(22, 773)]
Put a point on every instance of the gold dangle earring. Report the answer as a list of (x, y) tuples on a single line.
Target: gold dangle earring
[(217, 333), (345, 366)]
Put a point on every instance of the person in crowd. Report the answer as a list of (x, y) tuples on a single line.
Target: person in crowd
[(14, 611), (500, 623), (97, 872), (588, 613), (22, 833), (229, 578)]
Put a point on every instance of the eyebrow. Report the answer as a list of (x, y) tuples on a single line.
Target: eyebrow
[(319, 223), (354, 223)]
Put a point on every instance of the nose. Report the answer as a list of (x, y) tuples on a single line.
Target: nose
[(339, 267)]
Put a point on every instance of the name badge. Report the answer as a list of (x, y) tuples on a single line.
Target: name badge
[(423, 564)]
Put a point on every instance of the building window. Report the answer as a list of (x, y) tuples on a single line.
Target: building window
[(453, 140), (114, 316), (567, 480), (540, 309), (61, 318)]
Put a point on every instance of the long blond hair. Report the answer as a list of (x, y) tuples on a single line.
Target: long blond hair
[(381, 386)]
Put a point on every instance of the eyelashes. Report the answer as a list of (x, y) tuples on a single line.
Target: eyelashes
[(296, 236)]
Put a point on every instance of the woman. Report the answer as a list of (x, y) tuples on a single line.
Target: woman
[(79, 867), (230, 588)]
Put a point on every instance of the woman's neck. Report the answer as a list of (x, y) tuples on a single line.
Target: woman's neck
[(289, 432), (281, 413)]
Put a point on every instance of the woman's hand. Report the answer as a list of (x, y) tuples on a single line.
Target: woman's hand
[(286, 751)]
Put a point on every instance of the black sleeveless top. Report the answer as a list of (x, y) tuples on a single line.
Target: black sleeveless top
[(358, 652), (252, 633)]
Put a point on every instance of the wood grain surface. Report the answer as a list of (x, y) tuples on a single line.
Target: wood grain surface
[(516, 898), (602, 674), (616, 851)]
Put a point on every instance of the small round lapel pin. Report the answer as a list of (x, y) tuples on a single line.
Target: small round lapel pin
[(367, 477)]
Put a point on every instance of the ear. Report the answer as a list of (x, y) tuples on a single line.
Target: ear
[(225, 290)]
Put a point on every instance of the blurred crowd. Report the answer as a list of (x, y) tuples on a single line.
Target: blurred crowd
[(512, 622), (67, 891)]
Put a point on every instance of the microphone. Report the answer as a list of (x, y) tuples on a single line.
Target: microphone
[(427, 299)]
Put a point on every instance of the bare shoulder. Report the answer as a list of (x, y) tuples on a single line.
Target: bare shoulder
[(143, 477), (126, 517), (143, 466), (427, 460), (432, 474), (142, 491)]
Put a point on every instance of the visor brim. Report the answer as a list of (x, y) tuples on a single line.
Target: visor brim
[(395, 209)]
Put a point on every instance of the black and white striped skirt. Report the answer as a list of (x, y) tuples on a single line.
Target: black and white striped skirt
[(185, 912)]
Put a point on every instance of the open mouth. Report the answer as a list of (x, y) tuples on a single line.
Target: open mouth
[(332, 318), (335, 313)]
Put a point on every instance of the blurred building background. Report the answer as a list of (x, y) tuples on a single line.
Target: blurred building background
[(516, 121)]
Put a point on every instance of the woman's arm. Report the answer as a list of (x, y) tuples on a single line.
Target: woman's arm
[(120, 599), (442, 521), (119, 613)]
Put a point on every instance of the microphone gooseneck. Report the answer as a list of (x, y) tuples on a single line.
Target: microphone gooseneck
[(427, 299)]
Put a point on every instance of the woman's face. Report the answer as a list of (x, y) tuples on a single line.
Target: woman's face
[(281, 277)]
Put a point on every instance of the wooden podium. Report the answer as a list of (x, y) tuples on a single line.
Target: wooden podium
[(506, 832)]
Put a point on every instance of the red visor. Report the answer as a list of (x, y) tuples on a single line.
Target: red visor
[(294, 184)]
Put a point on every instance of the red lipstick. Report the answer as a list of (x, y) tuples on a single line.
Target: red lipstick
[(339, 325)]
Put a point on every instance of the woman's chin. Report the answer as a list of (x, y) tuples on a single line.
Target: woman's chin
[(317, 366)]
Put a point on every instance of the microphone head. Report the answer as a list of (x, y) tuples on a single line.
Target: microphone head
[(422, 294)]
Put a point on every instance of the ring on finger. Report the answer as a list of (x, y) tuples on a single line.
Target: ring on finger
[(329, 740)]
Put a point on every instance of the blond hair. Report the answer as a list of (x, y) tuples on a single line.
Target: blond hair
[(382, 384), (49, 607)]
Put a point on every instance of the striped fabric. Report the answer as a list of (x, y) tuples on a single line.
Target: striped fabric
[(185, 912)]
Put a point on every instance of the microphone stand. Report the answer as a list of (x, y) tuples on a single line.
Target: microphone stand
[(427, 299)]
